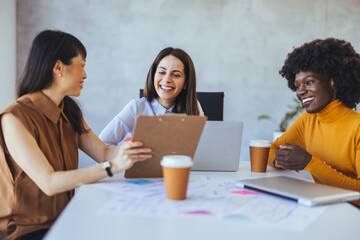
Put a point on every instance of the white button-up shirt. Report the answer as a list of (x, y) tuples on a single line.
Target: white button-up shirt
[(122, 125)]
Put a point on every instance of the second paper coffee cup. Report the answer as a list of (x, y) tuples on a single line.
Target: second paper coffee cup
[(259, 153)]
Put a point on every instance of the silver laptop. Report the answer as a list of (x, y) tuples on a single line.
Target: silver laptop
[(304, 192), (219, 147)]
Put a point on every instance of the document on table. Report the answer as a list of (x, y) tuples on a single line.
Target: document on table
[(207, 197), (137, 188)]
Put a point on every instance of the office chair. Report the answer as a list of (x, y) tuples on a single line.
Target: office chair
[(212, 104)]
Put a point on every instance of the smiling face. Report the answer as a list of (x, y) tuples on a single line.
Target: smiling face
[(169, 80), (314, 91), (73, 76)]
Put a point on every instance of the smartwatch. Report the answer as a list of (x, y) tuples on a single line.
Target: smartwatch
[(106, 166)]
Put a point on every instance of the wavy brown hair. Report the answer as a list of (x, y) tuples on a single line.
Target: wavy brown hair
[(186, 101)]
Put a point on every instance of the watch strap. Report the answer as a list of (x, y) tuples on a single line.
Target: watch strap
[(106, 166)]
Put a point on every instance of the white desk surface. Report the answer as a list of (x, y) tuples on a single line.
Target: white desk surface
[(80, 220)]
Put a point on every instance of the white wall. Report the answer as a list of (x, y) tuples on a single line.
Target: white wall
[(237, 46), (7, 51)]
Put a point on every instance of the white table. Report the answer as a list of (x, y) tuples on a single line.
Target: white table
[(80, 220)]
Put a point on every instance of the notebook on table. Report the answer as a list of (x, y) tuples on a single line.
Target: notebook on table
[(304, 192), (219, 147)]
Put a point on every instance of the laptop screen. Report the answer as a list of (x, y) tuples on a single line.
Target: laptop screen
[(219, 147)]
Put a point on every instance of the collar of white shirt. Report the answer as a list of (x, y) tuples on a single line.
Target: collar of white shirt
[(159, 109)]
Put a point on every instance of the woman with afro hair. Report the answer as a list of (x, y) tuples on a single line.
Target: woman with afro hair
[(325, 139)]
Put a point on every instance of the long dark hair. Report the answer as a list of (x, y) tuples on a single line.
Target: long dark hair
[(47, 48), (186, 101)]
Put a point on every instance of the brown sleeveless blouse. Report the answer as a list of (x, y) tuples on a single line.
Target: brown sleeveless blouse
[(24, 208)]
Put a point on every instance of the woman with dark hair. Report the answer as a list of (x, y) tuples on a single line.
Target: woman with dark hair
[(41, 133), (325, 139), (170, 88)]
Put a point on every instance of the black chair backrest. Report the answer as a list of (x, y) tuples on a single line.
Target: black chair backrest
[(212, 104), (141, 93)]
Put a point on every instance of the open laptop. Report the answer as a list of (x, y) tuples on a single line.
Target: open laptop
[(219, 147), (304, 192)]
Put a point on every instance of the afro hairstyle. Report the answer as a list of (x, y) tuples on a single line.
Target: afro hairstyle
[(331, 57)]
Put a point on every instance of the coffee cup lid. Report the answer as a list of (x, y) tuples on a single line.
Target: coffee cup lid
[(176, 161), (260, 143)]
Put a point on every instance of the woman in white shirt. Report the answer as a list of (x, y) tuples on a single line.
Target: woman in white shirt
[(170, 88)]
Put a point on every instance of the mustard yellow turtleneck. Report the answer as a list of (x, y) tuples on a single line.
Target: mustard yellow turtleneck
[(332, 137)]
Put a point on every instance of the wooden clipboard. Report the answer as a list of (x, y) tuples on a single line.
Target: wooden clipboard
[(173, 134)]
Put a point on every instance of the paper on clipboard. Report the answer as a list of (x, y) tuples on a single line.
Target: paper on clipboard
[(173, 134)]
